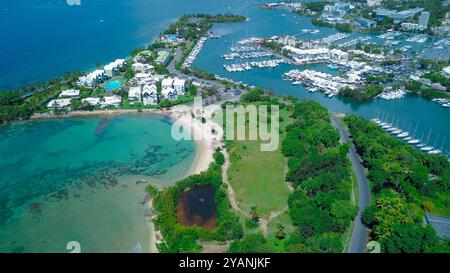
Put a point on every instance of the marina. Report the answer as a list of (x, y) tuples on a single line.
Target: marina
[(251, 65), (193, 54), (421, 144)]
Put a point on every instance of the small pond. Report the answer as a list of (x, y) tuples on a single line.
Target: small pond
[(197, 207)]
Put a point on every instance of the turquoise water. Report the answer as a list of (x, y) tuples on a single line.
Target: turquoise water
[(77, 180), (113, 85)]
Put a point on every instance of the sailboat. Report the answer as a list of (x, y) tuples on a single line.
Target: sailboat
[(427, 148), (420, 145), (413, 140)]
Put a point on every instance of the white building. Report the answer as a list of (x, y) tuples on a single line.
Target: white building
[(92, 101), (92, 79), (423, 19), (180, 86), (111, 100), (134, 94), (149, 94), (140, 67), (70, 93), (446, 70), (112, 68), (59, 103), (373, 3), (172, 88)]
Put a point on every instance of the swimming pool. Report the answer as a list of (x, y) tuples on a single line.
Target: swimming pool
[(113, 85)]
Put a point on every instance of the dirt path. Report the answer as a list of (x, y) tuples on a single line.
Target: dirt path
[(231, 194)]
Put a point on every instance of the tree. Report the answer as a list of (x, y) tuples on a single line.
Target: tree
[(279, 233), (343, 213), (428, 206), (254, 213), (410, 238)]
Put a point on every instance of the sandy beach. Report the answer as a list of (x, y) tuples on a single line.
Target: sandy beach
[(200, 132)]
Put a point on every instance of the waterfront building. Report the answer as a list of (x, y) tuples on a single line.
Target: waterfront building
[(92, 101), (134, 94), (398, 16), (111, 100), (179, 85), (59, 103), (70, 93), (149, 94), (113, 68), (92, 79), (172, 39), (288, 40), (423, 19), (365, 23)]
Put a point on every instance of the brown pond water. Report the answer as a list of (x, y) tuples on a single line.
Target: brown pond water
[(197, 207)]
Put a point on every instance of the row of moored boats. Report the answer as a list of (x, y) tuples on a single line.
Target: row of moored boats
[(443, 102), (404, 135)]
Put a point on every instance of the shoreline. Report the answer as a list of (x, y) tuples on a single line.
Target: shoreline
[(205, 141)]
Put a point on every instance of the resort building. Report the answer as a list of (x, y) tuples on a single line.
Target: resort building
[(172, 39), (365, 23), (423, 19), (398, 16), (70, 93), (134, 94), (141, 67), (111, 100), (59, 103), (179, 85), (149, 94), (92, 101), (113, 68), (373, 3), (92, 79), (163, 57)]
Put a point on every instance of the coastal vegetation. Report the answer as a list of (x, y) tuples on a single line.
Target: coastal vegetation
[(364, 93), (405, 184), (320, 208), (179, 238)]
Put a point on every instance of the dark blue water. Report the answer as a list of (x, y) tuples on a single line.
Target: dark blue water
[(45, 39)]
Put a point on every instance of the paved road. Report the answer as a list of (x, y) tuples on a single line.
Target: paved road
[(358, 240)]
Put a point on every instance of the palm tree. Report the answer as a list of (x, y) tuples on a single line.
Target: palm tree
[(254, 213), (280, 234)]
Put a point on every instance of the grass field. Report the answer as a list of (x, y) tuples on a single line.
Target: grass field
[(257, 177)]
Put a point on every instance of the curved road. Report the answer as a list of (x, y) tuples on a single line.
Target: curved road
[(358, 240)]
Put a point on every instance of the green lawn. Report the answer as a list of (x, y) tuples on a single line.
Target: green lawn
[(258, 177)]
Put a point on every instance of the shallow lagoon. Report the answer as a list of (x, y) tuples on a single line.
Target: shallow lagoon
[(81, 180)]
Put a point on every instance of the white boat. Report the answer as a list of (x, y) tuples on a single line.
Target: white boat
[(392, 129), (397, 132), (434, 152), (413, 141), (402, 135), (387, 126), (421, 145), (426, 149), (407, 138)]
